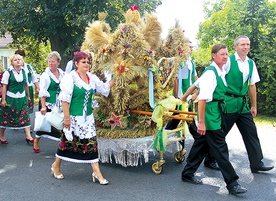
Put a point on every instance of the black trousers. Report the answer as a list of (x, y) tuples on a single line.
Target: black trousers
[(215, 142), (247, 128), (199, 151), (193, 130), (219, 149)]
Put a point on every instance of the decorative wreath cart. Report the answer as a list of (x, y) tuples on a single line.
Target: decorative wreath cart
[(131, 121)]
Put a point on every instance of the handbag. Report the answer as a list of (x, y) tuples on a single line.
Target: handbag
[(41, 124), (56, 118)]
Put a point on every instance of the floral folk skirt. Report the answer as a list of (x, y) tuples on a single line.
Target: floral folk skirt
[(16, 114), (78, 150)]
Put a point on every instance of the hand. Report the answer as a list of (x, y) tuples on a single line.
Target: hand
[(194, 96), (43, 110), (3, 103), (201, 128), (254, 112), (67, 123), (37, 90)]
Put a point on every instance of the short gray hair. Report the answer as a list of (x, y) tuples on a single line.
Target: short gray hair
[(236, 41), (54, 54)]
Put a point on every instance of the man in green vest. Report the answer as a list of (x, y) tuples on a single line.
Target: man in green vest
[(212, 87), (186, 77), (241, 76)]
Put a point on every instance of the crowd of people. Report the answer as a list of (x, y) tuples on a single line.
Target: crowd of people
[(221, 91)]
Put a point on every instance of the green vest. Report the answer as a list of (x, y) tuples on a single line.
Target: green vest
[(53, 91), (186, 83), (80, 98), (15, 86), (235, 95), (29, 74), (213, 115)]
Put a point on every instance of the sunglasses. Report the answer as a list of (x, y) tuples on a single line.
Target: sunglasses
[(86, 62)]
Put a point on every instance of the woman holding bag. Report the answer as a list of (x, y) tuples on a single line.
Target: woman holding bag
[(78, 141), (49, 90)]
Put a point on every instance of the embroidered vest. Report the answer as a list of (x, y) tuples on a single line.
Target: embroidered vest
[(81, 101)]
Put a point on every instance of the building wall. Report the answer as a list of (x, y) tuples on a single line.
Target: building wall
[(5, 54), (5, 51)]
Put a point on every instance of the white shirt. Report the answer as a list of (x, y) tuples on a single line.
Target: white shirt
[(69, 66), (45, 81), (244, 68), (208, 82), (183, 72), (34, 77)]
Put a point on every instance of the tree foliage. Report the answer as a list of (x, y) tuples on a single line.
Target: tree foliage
[(227, 19), (61, 22)]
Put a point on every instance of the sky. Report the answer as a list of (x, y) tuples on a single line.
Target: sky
[(189, 13)]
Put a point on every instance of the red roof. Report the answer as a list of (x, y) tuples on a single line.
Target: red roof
[(5, 40)]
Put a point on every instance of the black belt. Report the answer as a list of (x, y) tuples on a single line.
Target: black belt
[(238, 96), (234, 95)]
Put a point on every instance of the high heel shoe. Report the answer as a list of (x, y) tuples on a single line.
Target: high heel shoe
[(4, 141), (56, 176), (101, 181), (29, 141), (36, 150)]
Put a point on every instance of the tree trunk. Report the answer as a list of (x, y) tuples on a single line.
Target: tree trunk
[(57, 44)]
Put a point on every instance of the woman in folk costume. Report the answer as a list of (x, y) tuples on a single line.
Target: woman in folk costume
[(32, 80), (15, 95), (79, 142), (49, 91)]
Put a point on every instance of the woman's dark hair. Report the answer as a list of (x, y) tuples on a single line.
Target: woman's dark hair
[(20, 52), (80, 55)]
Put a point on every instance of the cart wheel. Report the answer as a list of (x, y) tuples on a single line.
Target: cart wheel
[(156, 168), (179, 156)]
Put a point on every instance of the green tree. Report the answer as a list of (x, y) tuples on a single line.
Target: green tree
[(255, 18), (61, 22), (35, 51)]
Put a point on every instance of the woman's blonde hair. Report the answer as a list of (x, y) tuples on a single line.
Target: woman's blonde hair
[(15, 56)]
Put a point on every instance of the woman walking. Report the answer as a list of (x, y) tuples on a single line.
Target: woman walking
[(79, 142), (15, 96), (49, 90)]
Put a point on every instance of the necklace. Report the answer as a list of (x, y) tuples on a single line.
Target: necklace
[(17, 70), (56, 73), (88, 79)]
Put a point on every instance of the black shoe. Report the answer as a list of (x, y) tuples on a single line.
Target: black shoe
[(261, 168), (191, 179), (213, 166), (237, 189)]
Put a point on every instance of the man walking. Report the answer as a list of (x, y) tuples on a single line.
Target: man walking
[(241, 76)]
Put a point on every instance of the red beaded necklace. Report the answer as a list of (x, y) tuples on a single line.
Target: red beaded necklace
[(88, 79)]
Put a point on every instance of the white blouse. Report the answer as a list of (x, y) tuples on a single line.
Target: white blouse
[(45, 81)]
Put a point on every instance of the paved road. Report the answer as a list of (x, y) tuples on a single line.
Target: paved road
[(25, 175)]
